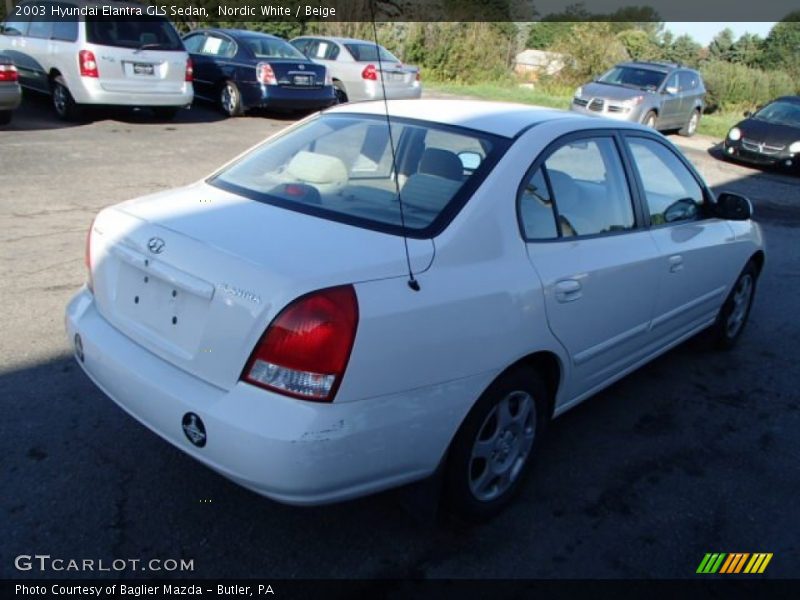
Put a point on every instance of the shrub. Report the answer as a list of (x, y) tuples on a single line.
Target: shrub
[(735, 86)]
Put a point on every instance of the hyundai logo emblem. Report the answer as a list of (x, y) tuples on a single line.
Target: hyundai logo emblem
[(155, 245), (194, 429), (301, 67)]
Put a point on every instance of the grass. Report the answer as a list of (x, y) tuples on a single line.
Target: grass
[(714, 125)]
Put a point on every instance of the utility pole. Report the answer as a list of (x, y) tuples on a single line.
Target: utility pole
[(9, 7)]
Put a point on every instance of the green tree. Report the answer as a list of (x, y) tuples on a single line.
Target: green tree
[(639, 44), (684, 50), (593, 48), (782, 46), (721, 47), (747, 50)]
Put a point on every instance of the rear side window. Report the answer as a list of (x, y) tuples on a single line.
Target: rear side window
[(264, 47), (133, 32), (65, 30), (536, 210), (214, 45), (40, 29), (688, 81), (16, 26), (369, 52), (340, 167), (671, 190)]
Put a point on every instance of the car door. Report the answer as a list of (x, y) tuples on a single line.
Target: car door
[(670, 114), (694, 266), (597, 264), (194, 43), (211, 57), (33, 70)]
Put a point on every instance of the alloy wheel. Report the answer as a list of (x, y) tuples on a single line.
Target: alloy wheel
[(742, 297)]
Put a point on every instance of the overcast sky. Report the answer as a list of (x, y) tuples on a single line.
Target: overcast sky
[(704, 32)]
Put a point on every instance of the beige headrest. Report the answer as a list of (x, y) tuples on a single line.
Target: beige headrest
[(310, 167)]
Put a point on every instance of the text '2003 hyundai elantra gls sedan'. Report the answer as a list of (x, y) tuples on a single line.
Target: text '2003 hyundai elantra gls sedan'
[(297, 325)]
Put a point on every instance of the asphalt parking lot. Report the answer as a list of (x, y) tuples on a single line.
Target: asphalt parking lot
[(697, 452)]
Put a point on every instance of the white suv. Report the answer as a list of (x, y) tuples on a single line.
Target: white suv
[(134, 60)]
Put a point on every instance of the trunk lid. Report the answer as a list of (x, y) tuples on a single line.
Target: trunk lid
[(297, 73), (196, 275)]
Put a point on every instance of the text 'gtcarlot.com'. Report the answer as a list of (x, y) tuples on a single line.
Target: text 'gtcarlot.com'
[(45, 562)]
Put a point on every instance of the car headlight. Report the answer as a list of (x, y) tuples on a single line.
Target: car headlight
[(631, 102), (795, 147), (735, 134), (578, 92)]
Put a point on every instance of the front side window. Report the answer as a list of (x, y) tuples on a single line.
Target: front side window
[(341, 167), (688, 80), (671, 191)]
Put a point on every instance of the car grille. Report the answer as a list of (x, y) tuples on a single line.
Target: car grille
[(580, 101), (760, 147), (596, 104), (615, 108)]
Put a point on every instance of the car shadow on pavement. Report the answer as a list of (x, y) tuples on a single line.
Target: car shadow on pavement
[(36, 113)]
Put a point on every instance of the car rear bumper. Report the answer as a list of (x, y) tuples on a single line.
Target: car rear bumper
[(290, 450), (270, 96), (10, 96), (90, 91)]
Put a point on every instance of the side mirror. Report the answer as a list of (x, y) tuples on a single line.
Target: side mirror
[(671, 90), (733, 207), (680, 210), (470, 160)]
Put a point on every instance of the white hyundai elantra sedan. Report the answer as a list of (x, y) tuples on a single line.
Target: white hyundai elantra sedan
[(339, 311)]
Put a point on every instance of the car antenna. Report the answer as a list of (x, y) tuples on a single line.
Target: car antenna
[(412, 281)]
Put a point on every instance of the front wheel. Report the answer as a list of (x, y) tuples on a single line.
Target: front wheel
[(230, 99), (493, 448), (690, 128), (341, 95), (650, 120), (735, 311)]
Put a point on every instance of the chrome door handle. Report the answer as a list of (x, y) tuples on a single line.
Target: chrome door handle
[(568, 290), (675, 263)]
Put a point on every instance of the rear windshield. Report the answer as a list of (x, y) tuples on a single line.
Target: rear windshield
[(369, 52), (145, 32), (340, 167), (269, 48), (634, 77)]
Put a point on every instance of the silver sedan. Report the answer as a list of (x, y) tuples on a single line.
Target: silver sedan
[(361, 69)]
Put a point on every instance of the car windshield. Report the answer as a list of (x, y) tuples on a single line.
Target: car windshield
[(369, 52), (634, 77), (780, 112), (132, 32), (340, 166), (264, 47)]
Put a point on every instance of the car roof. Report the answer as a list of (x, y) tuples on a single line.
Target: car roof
[(338, 40), (500, 118), (794, 99)]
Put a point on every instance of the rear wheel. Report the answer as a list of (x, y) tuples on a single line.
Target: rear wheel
[(5, 117), (493, 448), (650, 119), (735, 312), (690, 128), (341, 95), (63, 103), (230, 99)]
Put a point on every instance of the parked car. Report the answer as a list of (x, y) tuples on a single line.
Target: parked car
[(309, 358), (357, 72), (10, 92), (240, 70), (770, 136), (136, 61), (662, 96)]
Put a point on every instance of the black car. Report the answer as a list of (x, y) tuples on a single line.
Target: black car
[(769, 137), (240, 70)]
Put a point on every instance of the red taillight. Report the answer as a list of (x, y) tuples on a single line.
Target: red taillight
[(265, 74), (8, 73), (305, 350), (87, 257), (88, 64), (189, 75), (370, 73)]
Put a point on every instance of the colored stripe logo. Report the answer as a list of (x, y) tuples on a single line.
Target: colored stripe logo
[(735, 562)]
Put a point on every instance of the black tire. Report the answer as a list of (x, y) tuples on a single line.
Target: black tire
[(733, 315), (690, 128), (230, 99), (650, 119), (166, 113), (5, 117), (63, 103), (477, 488), (341, 95)]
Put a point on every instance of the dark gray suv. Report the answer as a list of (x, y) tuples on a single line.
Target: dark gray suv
[(659, 95)]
